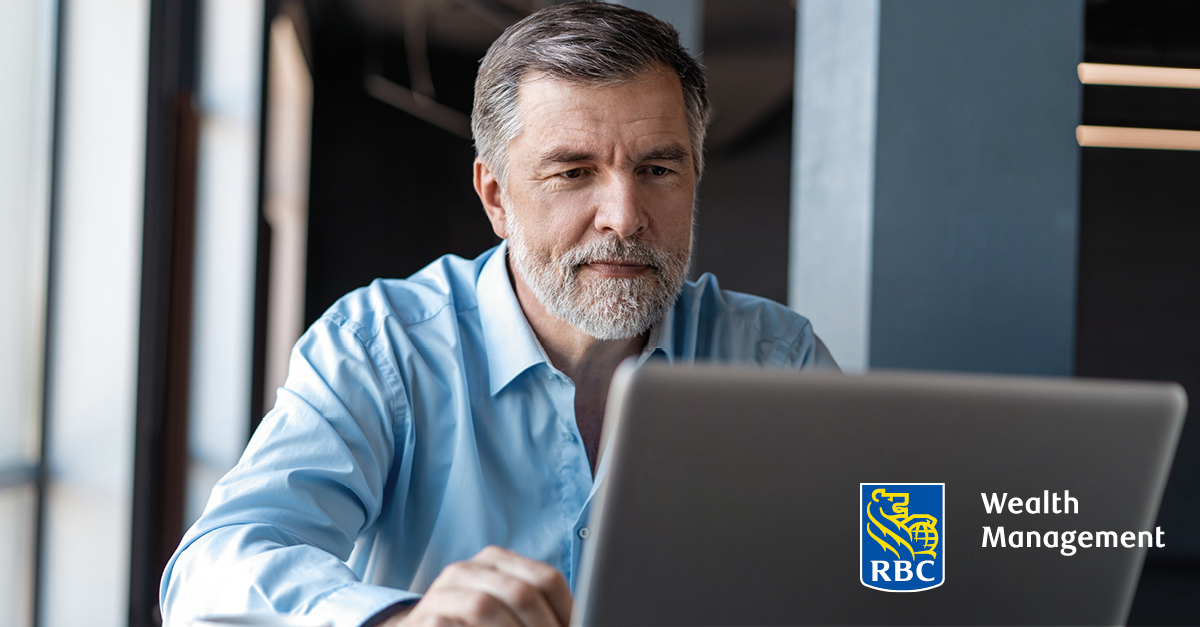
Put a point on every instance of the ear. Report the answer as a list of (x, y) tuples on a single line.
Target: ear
[(491, 195)]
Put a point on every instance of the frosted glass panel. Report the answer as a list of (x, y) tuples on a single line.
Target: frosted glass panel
[(26, 74), (226, 244), (16, 545)]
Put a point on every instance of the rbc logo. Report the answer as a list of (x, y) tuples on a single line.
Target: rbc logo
[(902, 543)]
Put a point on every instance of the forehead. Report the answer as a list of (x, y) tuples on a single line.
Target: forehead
[(648, 106)]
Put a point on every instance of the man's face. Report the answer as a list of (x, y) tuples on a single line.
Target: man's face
[(598, 202)]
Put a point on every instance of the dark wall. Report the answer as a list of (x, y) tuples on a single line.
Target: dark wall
[(976, 188), (1139, 265), (744, 199), (1139, 303), (389, 192)]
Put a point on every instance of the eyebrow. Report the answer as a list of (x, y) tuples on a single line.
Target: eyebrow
[(672, 152), (567, 154)]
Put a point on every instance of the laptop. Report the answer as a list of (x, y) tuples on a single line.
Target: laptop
[(738, 496)]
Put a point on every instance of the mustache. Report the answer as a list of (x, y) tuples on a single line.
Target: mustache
[(631, 251)]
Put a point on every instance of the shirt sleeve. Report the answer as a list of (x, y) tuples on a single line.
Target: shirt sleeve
[(822, 359), (808, 352), (278, 528)]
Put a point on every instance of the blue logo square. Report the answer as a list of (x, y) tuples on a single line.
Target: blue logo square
[(902, 540)]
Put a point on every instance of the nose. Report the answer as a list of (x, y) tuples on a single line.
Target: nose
[(620, 209)]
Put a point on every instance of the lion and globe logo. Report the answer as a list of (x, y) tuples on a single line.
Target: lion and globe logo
[(902, 542)]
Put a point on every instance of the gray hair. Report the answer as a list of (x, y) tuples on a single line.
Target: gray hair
[(592, 43)]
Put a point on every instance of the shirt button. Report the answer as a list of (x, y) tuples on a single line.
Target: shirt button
[(584, 533), (567, 437)]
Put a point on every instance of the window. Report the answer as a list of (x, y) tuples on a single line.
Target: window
[(27, 66)]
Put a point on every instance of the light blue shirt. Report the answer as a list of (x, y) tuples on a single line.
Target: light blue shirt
[(421, 421)]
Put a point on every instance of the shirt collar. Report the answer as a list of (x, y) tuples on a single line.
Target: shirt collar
[(511, 345), (661, 342)]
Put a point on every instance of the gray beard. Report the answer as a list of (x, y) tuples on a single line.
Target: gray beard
[(605, 308)]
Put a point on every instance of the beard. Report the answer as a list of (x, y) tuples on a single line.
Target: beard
[(605, 308)]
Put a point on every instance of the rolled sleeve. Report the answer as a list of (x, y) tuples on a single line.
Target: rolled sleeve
[(359, 604)]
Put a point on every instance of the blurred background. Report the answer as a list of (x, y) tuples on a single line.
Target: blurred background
[(186, 184)]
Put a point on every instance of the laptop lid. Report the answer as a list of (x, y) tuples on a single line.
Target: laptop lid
[(746, 496)]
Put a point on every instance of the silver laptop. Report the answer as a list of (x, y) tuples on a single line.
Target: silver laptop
[(747, 496)]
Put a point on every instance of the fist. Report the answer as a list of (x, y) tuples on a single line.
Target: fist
[(496, 587)]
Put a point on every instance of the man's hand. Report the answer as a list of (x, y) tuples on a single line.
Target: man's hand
[(496, 587)]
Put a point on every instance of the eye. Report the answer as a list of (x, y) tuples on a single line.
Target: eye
[(573, 173), (658, 170)]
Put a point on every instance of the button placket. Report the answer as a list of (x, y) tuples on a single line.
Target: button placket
[(576, 475)]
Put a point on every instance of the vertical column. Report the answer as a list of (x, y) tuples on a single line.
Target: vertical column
[(91, 382), (833, 172), (285, 205), (976, 186), (226, 243)]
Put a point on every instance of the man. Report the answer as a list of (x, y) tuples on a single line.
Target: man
[(426, 419)]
